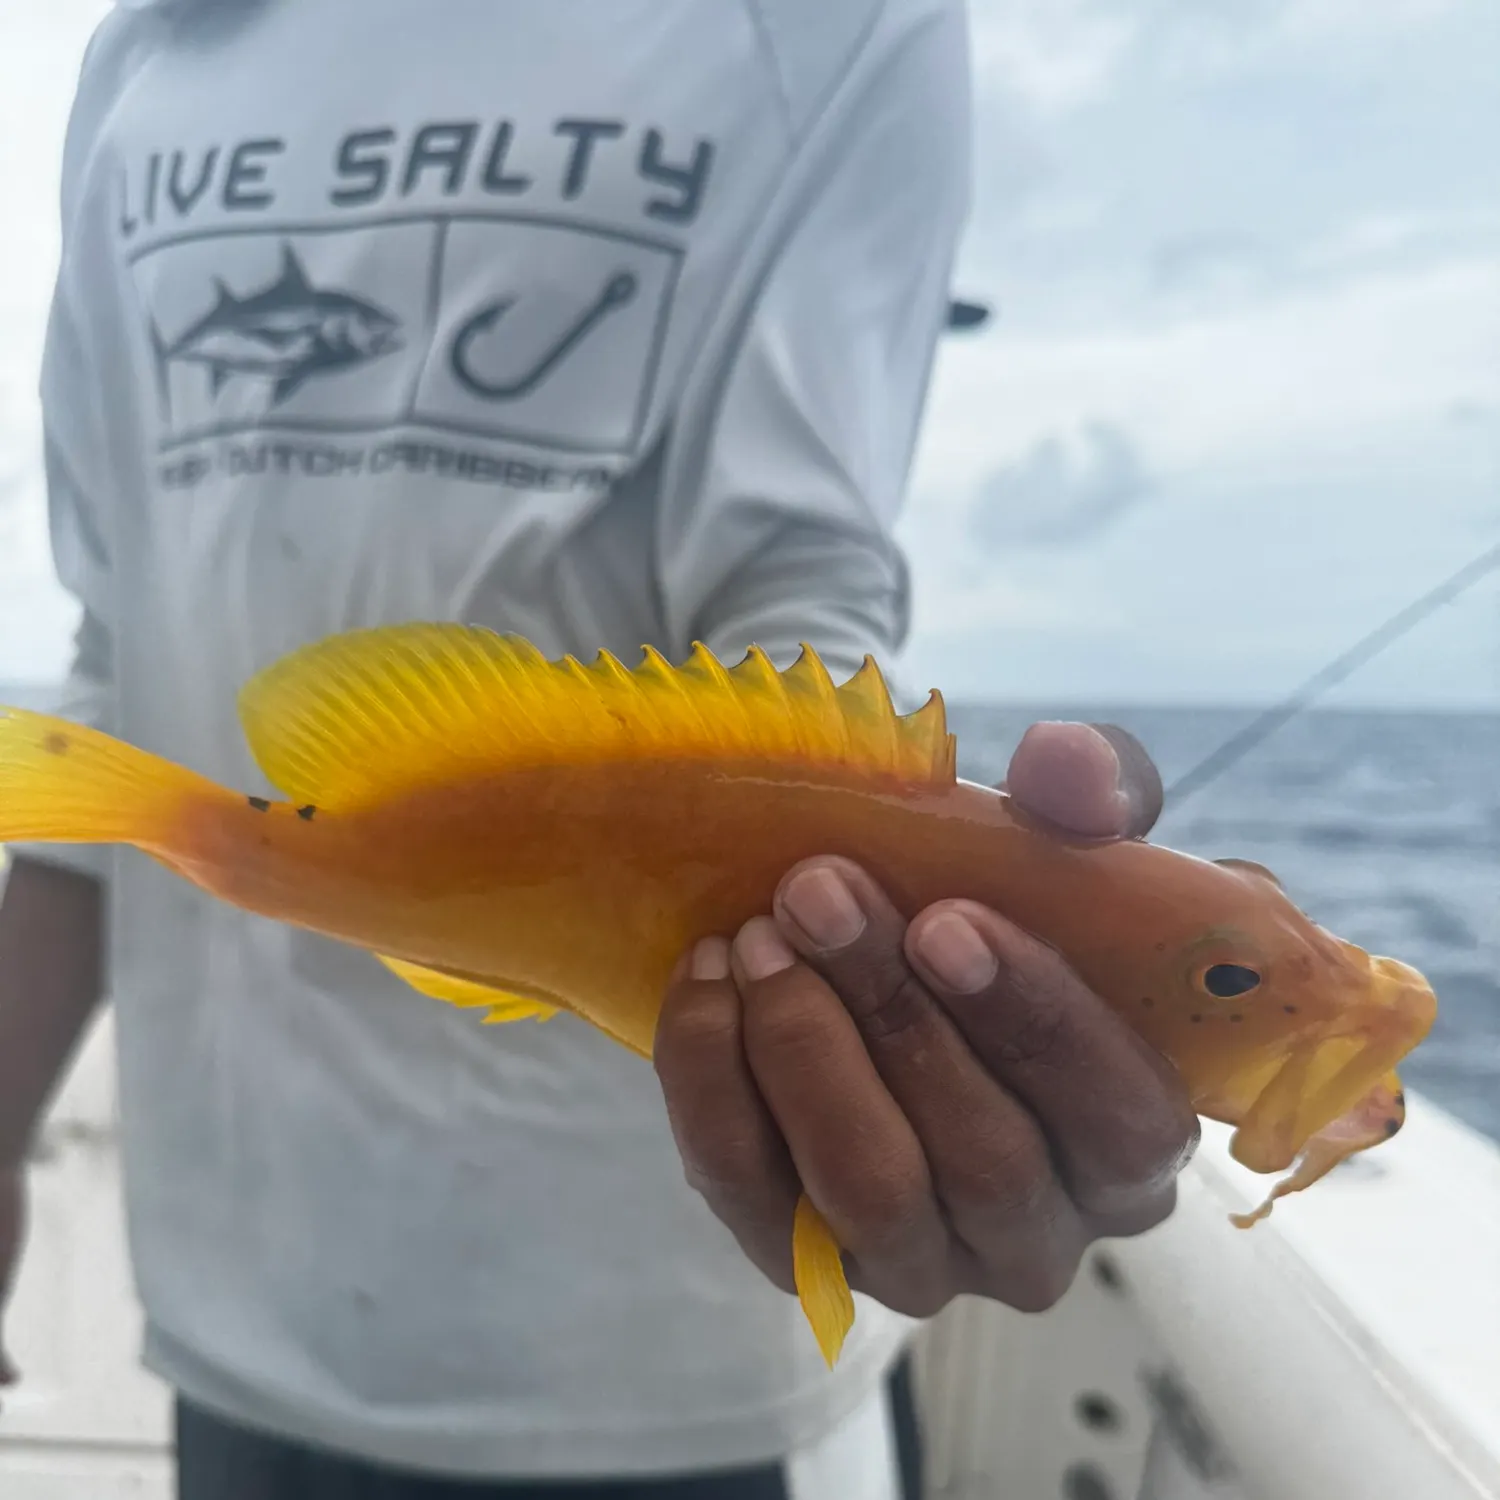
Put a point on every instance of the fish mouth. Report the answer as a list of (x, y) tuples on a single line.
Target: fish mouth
[(1331, 1073)]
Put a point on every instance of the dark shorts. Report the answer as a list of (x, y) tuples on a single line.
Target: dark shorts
[(218, 1461)]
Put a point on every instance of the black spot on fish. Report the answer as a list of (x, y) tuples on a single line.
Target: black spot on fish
[(1195, 1019), (1148, 1002), (1391, 1127), (1291, 1010), (308, 813), (259, 804), (56, 744), (1161, 947), (1236, 1018)]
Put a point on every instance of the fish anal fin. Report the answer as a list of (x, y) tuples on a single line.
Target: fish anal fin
[(288, 385), (455, 989), (822, 1285), (364, 714)]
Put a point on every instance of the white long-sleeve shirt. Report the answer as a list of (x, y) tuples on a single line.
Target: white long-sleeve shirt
[(607, 323)]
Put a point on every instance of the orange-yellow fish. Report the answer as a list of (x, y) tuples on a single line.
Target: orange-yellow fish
[(529, 836)]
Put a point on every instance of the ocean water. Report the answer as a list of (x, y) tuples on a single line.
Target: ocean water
[(1385, 827)]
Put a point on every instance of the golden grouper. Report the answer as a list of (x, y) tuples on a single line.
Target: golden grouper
[(531, 836)]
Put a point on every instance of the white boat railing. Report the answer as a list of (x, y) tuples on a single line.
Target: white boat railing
[(1347, 1349)]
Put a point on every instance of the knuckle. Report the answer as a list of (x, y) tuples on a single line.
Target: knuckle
[(1036, 1038), (687, 1031), (1041, 1285), (884, 1208), (1007, 1178), (1150, 1144), (922, 1301), (897, 1008)]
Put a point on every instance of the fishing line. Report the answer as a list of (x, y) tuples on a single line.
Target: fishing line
[(1266, 724)]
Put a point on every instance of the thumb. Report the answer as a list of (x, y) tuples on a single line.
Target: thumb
[(1095, 780)]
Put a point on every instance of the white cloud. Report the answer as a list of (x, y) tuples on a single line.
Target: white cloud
[(1064, 490), (1054, 55), (1234, 35), (1338, 374)]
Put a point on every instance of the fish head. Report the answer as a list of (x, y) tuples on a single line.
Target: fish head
[(1335, 1070), (359, 330), (1289, 1027)]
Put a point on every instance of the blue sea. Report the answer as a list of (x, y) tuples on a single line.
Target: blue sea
[(1385, 827)]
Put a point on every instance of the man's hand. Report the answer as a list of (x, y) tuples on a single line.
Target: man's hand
[(966, 1114)]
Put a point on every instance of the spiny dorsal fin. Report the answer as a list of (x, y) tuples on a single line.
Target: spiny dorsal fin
[(364, 714)]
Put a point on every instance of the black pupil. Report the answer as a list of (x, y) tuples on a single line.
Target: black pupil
[(1225, 981)]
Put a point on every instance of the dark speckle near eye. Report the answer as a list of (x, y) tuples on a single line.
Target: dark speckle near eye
[(55, 743), (1391, 1127), (1401, 1099), (1291, 1010), (259, 804), (308, 813)]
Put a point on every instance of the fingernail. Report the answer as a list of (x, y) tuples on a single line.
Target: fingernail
[(820, 902), (951, 947), (761, 950), (710, 959)]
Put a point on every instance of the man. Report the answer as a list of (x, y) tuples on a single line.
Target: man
[(604, 325)]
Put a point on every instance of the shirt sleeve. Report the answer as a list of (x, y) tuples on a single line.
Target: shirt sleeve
[(73, 459), (777, 524)]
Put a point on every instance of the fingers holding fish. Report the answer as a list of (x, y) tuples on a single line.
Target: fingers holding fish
[(857, 1155), (1114, 1112), (1091, 779), (732, 1151), (989, 1160)]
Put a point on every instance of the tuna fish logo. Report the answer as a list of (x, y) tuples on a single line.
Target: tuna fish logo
[(287, 332)]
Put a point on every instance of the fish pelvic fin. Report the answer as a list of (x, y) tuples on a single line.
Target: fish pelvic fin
[(502, 1005), (822, 1285), (367, 713), (64, 783)]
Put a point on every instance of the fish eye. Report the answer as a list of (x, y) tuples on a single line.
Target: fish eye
[(1227, 981)]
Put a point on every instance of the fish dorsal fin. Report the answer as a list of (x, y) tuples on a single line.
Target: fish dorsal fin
[(293, 278), (359, 716), (224, 297)]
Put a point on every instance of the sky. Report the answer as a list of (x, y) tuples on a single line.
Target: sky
[(1241, 398)]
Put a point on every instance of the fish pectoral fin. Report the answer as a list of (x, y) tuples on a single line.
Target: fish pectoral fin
[(503, 1005), (822, 1286)]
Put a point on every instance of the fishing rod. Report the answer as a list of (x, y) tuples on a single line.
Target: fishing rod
[(1266, 724)]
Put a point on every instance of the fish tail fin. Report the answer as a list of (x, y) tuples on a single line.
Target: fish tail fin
[(822, 1285), (63, 783)]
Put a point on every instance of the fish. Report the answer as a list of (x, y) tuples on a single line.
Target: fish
[(287, 332), (530, 837)]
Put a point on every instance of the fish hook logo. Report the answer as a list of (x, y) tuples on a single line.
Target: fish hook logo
[(618, 291)]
